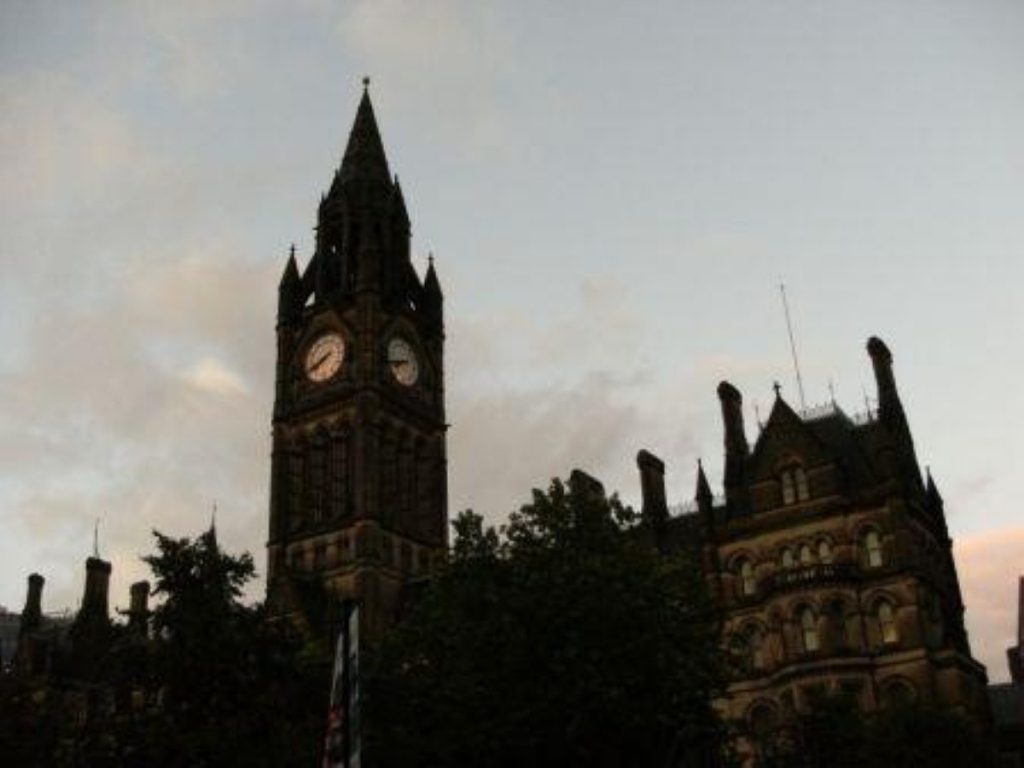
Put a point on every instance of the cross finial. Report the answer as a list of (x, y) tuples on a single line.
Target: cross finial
[(292, 250), (778, 389), (430, 257), (366, 83)]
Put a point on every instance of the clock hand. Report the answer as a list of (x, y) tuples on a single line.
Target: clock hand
[(320, 362)]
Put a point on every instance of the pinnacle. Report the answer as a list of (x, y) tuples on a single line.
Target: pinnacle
[(364, 155)]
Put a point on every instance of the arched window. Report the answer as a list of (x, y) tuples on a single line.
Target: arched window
[(787, 558), (808, 629), (762, 719), (756, 646), (824, 551), (887, 623), (837, 624), (806, 558), (898, 693), (872, 544), (748, 584), (802, 491), (788, 489)]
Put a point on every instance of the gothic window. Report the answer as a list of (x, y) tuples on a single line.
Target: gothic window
[(756, 647), (763, 720), (806, 558), (839, 637), (748, 584), (339, 474), (872, 549), (794, 484), (315, 469), (887, 629), (824, 551), (788, 560), (320, 555), (295, 478), (808, 624), (898, 693), (802, 491), (788, 490)]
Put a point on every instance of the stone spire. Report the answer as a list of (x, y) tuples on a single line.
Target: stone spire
[(364, 158)]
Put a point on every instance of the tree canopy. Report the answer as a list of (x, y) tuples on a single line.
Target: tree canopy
[(561, 638)]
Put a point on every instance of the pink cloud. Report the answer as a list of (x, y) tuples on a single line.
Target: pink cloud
[(989, 565)]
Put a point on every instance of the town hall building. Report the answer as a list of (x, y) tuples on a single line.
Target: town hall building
[(827, 551)]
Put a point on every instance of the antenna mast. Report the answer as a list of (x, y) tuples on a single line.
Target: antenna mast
[(96, 539), (792, 346)]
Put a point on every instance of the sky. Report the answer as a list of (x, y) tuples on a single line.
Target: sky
[(612, 193)]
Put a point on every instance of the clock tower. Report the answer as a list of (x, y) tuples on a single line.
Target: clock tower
[(358, 488)]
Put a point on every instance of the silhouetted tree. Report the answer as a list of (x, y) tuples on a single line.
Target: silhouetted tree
[(221, 685), (562, 638), (836, 734), (234, 689)]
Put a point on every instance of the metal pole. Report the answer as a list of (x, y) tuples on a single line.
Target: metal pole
[(792, 346)]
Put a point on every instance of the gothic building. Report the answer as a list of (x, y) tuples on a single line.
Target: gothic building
[(358, 499), (830, 558), (828, 552)]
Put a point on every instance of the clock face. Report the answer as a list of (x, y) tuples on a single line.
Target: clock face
[(324, 357), (402, 362)]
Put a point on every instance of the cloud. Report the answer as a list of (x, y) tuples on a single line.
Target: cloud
[(213, 376), (989, 565)]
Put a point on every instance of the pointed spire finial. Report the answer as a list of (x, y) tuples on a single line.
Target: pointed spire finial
[(291, 251), (430, 258), (213, 517), (831, 391), (778, 389), (703, 494), (366, 83), (96, 539)]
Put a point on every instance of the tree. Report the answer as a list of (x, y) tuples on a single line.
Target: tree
[(835, 733), (235, 689), (219, 684), (562, 638)]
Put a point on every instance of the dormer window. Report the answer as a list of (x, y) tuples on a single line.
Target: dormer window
[(794, 484), (788, 489)]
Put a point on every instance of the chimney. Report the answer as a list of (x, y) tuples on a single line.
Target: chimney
[(138, 610), (732, 418), (1016, 655), (584, 484), (32, 613), (736, 448), (890, 410), (652, 488), (97, 585), (891, 415)]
